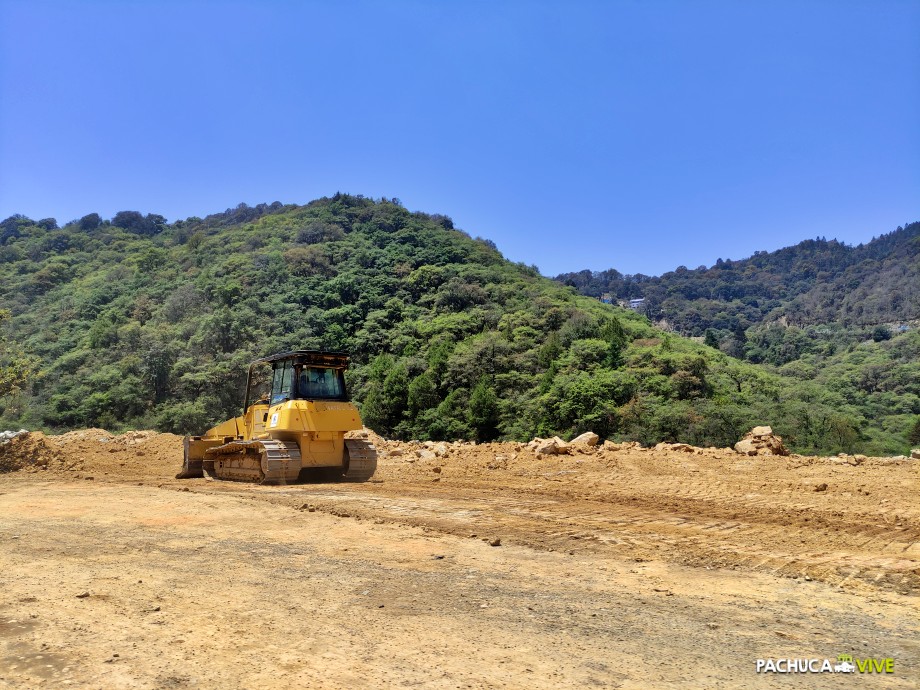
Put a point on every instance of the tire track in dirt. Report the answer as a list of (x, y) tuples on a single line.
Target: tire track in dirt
[(690, 532)]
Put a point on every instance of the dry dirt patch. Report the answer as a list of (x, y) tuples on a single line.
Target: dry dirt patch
[(625, 567)]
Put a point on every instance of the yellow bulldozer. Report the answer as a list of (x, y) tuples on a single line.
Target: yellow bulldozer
[(293, 430)]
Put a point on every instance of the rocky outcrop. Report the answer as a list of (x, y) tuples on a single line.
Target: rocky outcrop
[(761, 441)]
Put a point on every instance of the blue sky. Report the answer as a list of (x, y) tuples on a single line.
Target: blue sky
[(634, 135)]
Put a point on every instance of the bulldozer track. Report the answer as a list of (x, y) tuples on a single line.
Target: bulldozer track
[(696, 535), (361, 460), (268, 461)]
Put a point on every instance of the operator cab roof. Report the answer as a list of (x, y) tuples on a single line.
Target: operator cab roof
[(317, 357)]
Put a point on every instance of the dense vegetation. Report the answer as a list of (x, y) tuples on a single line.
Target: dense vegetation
[(814, 283), (838, 321), (135, 322)]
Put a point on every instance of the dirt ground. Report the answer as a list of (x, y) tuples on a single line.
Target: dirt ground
[(618, 567)]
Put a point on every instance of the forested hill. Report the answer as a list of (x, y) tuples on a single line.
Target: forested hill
[(815, 282), (136, 322)]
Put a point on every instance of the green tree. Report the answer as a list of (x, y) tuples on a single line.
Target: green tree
[(15, 367), (483, 413), (711, 339), (388, 397), (914, 436), (881, 333)]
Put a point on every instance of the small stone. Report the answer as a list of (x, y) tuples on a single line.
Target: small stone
[(82, 595), (821, 487), (89, 479), (495, 542), (436, 470)]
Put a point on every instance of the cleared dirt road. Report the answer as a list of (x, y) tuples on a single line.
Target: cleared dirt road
[(615, 569)]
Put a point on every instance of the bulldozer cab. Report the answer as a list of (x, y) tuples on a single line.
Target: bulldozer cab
[(301, 374)]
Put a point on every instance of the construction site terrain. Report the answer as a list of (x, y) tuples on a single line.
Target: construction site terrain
[(457, 565)]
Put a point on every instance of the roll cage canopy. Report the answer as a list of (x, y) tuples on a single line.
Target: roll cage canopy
[(320, 358)]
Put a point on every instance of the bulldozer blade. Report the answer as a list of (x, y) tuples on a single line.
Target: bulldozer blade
[(191, 467)]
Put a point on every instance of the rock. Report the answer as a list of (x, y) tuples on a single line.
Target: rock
[(7, 436), (425, 455), (82, 595), (440, 449), (545, 446), (549, 446), (436, 470), (915, 453), (746, 447), (610, 445), (561, 446), (821, 487), (755, 442), (589, 438), (495, 542), (679, 447), (395, 452)]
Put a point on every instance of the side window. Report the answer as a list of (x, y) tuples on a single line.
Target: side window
[(281, 383)]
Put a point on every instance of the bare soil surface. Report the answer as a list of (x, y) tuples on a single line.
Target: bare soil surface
[(616, 567)]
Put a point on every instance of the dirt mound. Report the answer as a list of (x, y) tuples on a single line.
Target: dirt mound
[(95, 452), (27, 451)]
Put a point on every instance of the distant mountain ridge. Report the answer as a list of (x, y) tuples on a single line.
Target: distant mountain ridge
[(814, 282)]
